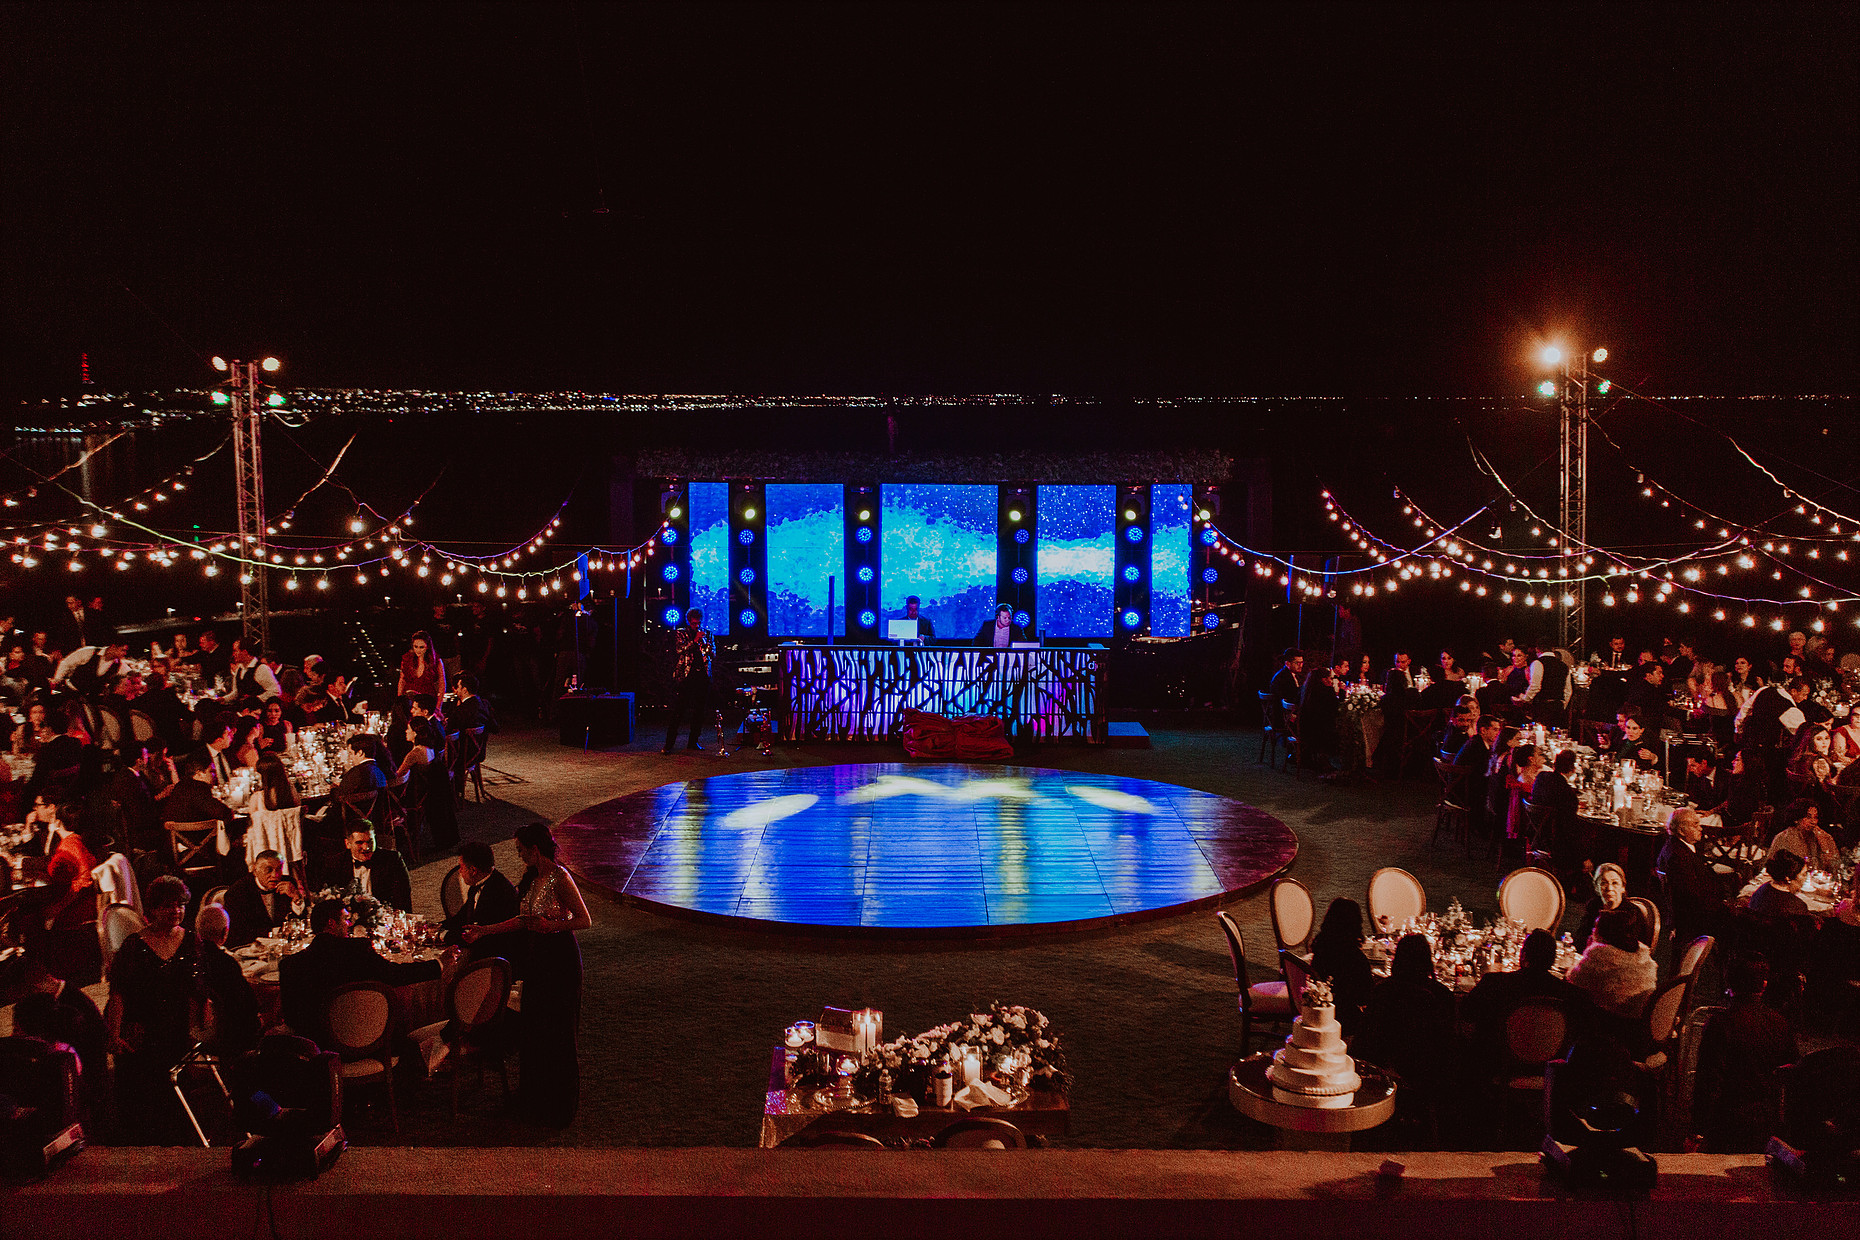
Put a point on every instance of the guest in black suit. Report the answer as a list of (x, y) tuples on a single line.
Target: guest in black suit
[(367, 769), (1316, 720), (1285, 682), (261, 900), (1692, 886), (235, 1004), (1001, 631), (489, 899), (1475, 756), (1709, 789), (1555, 802), (307, 978), (468, 709), (132, 789), (382, 875), (1738, 1100), (51, 1008), (191, 799), (1489, 1002)]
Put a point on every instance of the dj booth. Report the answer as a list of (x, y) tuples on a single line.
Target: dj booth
[(860, 693)]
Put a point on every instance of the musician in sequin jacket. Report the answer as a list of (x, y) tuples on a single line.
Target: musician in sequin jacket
[(694, 657)]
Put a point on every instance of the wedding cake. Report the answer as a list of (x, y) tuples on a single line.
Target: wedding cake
[(1312, 1069)]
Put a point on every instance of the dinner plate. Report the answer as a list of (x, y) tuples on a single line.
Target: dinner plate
[(269, 975)]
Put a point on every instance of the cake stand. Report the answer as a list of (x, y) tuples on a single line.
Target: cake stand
[(1310, 1128)]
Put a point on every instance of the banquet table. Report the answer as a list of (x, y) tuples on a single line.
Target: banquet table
[(787, 1113), (415, 1005), (1820, 891)]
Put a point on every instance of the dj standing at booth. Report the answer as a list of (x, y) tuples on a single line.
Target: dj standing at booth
[(925, 629), (694, 656), (1001, 632)]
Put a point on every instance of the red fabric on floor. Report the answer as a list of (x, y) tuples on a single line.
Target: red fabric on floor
[(972, 738)]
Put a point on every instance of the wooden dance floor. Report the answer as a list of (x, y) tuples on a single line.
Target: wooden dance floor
[(938, 850)]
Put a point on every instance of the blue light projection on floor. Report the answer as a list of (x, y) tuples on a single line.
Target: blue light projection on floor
[(939, 543), (1170, 544), (1074, 559), (806, 545), (710, 553)]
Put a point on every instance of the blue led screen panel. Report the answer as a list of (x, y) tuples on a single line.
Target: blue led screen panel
[(806, 545), (1075, 560), (1171, 542), (939, 543), (710, 553)]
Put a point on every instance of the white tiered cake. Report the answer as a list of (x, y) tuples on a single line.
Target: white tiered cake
[(1312, 1069)]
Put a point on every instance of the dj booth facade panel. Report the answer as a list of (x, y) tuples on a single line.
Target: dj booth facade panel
[(862, 692)]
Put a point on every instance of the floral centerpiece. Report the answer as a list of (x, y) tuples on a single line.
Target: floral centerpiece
[(367, 911), (1001, 1033)]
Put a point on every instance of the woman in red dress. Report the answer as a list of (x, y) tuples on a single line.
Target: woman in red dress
[(421, 670)]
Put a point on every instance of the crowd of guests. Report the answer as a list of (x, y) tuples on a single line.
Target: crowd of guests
[(109, 755), (1769, 751)]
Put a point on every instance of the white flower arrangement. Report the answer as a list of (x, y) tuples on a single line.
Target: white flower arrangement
[(1316, 993)]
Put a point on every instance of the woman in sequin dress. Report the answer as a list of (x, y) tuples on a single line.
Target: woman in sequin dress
[(551, 910)]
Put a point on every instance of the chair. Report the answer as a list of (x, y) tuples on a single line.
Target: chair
[(465, 759), (119, 923), (1273, 736), (477, 998), (980, 1132), (360, 1023), (1452, 812), (1536, 1031), (1662, 1016), (1265, 1001), (216, 896), (1650, 912), (1532, 896), (1692, 961), (833, 1138), (1294, 916), (407, 800), (1395, 896), (1296, 973), (1417, 732), (141, 726), (452, 891), (194, 847)]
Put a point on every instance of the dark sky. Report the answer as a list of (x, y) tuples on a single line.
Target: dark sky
[(940, 198)]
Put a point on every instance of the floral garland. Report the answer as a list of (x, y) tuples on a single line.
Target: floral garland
[(1001, 1030)]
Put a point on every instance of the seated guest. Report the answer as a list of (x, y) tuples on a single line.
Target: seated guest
[(1285, 683), (489, 898), (1489, 1002), (216, 732), (233, 1004), (1708, 788), (274, 734), (1473, 758), (1749, 790), (1737, 1100), (313, 698), (1844, 741), (1525, 763), (424, 745), (1692, 886), (1617, 969), (244, 749), (1462, 722), (1803, 836), (1516, 679), (1446, 687), (424, 769), (262, 900), (306, 979), (60, 918), (32, 735), (1635, 744), (1610, 883), (65, 764), (1317, 720), (469, 710), (191, 798), (381, 874), (367, 773), (1554, 801), (1001, 632), (1337, 957), (133, 789), (54, 1010), (1648, 692), (1408, 1021), (1776, 898)]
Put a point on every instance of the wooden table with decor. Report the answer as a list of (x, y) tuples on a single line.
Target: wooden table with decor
[(787, 1113), (415, 1005)]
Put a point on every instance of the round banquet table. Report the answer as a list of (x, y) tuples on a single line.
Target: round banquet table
[(1820, 896), (415, 1005), (1310, 1128)]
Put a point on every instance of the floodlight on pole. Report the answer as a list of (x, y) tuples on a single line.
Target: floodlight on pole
[(270, 365), (1552, 355)]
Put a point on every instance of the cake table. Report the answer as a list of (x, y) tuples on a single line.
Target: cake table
[(1309, 1128)]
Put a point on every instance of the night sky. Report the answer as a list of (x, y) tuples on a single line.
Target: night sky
[(1226, 199)]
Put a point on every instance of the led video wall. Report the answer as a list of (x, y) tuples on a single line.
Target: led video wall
[(806, 543), (710, 553), (939, 543), (1073, 563), (1170, 543)]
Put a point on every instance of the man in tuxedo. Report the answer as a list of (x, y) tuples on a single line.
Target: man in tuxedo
[(306, 979), (1692, 885), (378, 873), (1397, 700), (1708, 788), (364, 778), (1284, 686), (1491, 1001), (132, 788), (261, 900), (218, 733), (489, 899), (190, 798)]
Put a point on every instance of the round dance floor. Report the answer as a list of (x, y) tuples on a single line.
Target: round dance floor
[(924, 850)]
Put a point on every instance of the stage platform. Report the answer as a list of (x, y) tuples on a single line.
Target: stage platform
[(906, 850)]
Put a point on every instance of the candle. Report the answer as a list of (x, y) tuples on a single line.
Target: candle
[(971, 1067)]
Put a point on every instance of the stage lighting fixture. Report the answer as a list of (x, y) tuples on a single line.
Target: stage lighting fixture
[(1210, 621), (675, 512), (745, 537), (1209, 538), (221, 398), (864, 534), (219, 363), (747, 576), (671, 616), (1601, 389), (865, 572), (1547, 388), (275, 399), (1551, 355), (270, 365), (1210, 575), (746, 617), (865, 514), (867, 619), (668, 535), (1013, 514), (1132, 572), (1022, 619), (1134, 533), (1600, 355), (1132, 618), (1020, 576), (749, 514), (1021, 537)]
